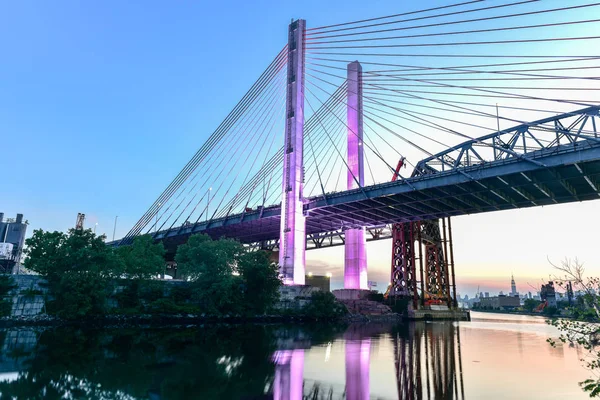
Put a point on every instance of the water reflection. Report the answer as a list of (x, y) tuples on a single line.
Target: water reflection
[(428, 362), (357, 362)]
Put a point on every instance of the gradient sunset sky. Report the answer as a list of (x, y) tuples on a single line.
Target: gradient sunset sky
[(102, 103)]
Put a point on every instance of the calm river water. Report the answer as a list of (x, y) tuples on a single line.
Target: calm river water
[(494, 356)]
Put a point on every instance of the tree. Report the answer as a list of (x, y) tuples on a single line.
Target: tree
[(530, 304), (77, 266), (261, 281), (144, 259), (211, 265), (204, 258), (324, 305), (53, 254), (582, 333)]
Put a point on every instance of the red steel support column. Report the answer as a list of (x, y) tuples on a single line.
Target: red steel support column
[(452, 261)]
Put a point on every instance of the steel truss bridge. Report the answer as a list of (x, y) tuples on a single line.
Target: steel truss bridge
[(540, 163), (349, 100)]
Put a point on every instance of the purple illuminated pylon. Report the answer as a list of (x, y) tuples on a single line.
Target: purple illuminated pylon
[(292, 239), (358, 357), (355, 263), (289, 374)]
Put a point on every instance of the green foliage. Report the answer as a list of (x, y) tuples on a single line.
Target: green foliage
[(54, 254), (78, 266), (323, 305), (228, 279), (202, 258), (375, 296), (181, 293), (530, 304), (550, 311), (261, 281), (144, 259), (128, 296), (81, 272), (78, 295)]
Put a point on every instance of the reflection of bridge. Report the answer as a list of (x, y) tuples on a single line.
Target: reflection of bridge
[(231, 185), (427, 362)]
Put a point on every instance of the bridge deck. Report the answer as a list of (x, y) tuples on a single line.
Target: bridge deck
[(569, 174)]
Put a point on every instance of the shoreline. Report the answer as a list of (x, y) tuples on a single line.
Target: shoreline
[(117, 320)]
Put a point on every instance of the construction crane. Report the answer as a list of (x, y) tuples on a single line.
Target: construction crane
[(401, 164), (79, 222)]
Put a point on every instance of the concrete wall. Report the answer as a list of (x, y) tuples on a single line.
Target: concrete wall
[(26, 303)]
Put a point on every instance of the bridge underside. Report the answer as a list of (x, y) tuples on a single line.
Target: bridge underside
[(561, 174)]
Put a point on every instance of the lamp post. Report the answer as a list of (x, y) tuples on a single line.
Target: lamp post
[(115, 228), (208, 203)]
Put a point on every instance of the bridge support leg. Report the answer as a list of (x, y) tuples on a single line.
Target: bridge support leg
[(404, 277), (292, 243), (355, 246)]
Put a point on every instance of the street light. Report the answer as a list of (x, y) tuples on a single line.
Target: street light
[(208, 203), (115, 228)]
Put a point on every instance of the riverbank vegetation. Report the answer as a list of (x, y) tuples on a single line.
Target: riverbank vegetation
[(583, 329), (87, 278)]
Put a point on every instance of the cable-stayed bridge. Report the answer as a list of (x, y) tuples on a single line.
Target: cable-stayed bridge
[(382, 127)]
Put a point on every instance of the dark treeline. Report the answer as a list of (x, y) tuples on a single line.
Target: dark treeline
[(221, 277)]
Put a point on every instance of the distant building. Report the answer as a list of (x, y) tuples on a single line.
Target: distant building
[(487, 294), (513, 286), (318, 281), (548, 293), (12, 238), (501, 302)]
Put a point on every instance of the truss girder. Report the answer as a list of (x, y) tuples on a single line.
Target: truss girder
[(515, 142), (566, 172)]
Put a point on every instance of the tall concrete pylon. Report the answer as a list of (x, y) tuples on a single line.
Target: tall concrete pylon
[(292, 240), (355, 246)]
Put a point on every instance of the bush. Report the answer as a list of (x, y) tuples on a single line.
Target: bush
[(324, 305), (181, 294), (375, 296), (168, 306), (78, 295), (129, 298)]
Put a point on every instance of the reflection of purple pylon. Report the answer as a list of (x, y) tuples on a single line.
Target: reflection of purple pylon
[(358, 356), (289, 374)]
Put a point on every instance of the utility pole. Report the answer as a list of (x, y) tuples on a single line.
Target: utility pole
[(115, 228)]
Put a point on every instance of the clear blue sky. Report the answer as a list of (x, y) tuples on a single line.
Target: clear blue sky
[(102, 103)]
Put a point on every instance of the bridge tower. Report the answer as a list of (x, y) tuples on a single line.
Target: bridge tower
[(292, 242), (355, 246)]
